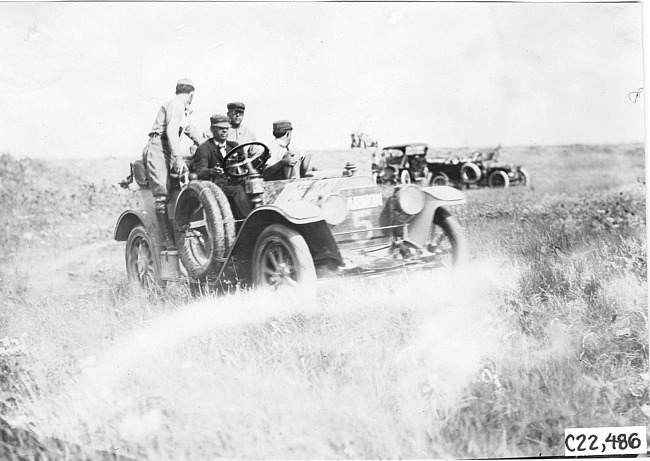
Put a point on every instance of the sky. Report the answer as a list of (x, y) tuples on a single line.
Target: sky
[(87, 79)]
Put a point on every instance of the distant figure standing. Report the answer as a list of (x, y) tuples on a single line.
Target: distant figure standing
[(162, 153)]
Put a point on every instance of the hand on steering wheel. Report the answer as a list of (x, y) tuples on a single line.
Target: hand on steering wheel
[(243, 165)]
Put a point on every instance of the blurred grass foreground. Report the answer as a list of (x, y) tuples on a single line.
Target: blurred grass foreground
[(547, 328)]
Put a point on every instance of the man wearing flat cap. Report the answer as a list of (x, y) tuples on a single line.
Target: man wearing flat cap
[(162, 154), (207, 165), (238, 132), (283, 163)]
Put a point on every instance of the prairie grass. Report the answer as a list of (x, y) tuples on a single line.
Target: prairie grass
[(547, 328)]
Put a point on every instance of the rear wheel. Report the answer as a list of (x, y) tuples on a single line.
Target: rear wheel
[(499, 179), (142, 267), (448, 239), (281, 259)]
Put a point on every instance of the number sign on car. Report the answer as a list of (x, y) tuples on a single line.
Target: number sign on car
[(360, 202)]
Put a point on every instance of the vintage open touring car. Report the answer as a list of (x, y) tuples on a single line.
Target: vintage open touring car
[(402, 164), (481, 169), (332, 223)]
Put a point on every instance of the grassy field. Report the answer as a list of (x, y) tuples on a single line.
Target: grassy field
[(547, 328)]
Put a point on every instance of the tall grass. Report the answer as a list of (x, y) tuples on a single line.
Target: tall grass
[(547, 328)]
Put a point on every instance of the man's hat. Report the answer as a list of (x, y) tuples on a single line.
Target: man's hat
[(185, 81), (236, 106), (220, 121), (282, 125)]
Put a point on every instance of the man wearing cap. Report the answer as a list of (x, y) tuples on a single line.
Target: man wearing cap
[(238, 132), (282, 163), (207, 165), (162, 153)]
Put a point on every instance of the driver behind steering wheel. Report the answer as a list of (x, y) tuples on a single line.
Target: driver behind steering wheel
[(207, 165)]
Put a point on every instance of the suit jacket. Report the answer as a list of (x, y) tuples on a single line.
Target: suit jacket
[(208, 156)]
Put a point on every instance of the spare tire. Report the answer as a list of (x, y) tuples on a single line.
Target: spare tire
[(470, 173), (226, 214), (199, 227)]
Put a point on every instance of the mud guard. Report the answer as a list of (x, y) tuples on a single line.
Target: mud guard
[(131, 218), (435, 197), (304, 217)]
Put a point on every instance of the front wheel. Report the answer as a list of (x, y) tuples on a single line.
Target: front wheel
[(281, 258), (448, 239), (142, 266), (525, 177), (499, 179), (405, 177)]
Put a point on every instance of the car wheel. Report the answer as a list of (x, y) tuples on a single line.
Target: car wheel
[(375, 178), (281, 258), (499, 179), (405, 177), (200, 230), (440, 179), (142, 267), (525, 177), (448, 239), (470, 173)]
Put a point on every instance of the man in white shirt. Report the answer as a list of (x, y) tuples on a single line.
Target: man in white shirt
[(282, 163), (163, 151)]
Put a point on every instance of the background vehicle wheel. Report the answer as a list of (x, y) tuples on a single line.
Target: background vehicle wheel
[(470, 173), (525, 177), (142, 266), (405, 177), (200, 234), (499, 179), (440, 179), (448, 239), (281, 258), (375, 178)]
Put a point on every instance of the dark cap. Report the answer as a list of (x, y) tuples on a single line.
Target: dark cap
[(282, 125), (236, 106), (220, 121)]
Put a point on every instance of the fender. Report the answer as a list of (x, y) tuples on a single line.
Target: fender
[(435, 197), (131, 218), (296, 212), (304, 217)]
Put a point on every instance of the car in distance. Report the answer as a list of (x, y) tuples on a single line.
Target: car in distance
[(480, 170), (331, 223), (401, 164)]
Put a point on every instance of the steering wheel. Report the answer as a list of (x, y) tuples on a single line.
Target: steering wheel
[(239, 169)]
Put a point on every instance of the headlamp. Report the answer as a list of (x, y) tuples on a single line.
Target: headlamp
[(335, 209)]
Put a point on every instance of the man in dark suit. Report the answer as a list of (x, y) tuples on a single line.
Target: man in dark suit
[(207, 165)]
